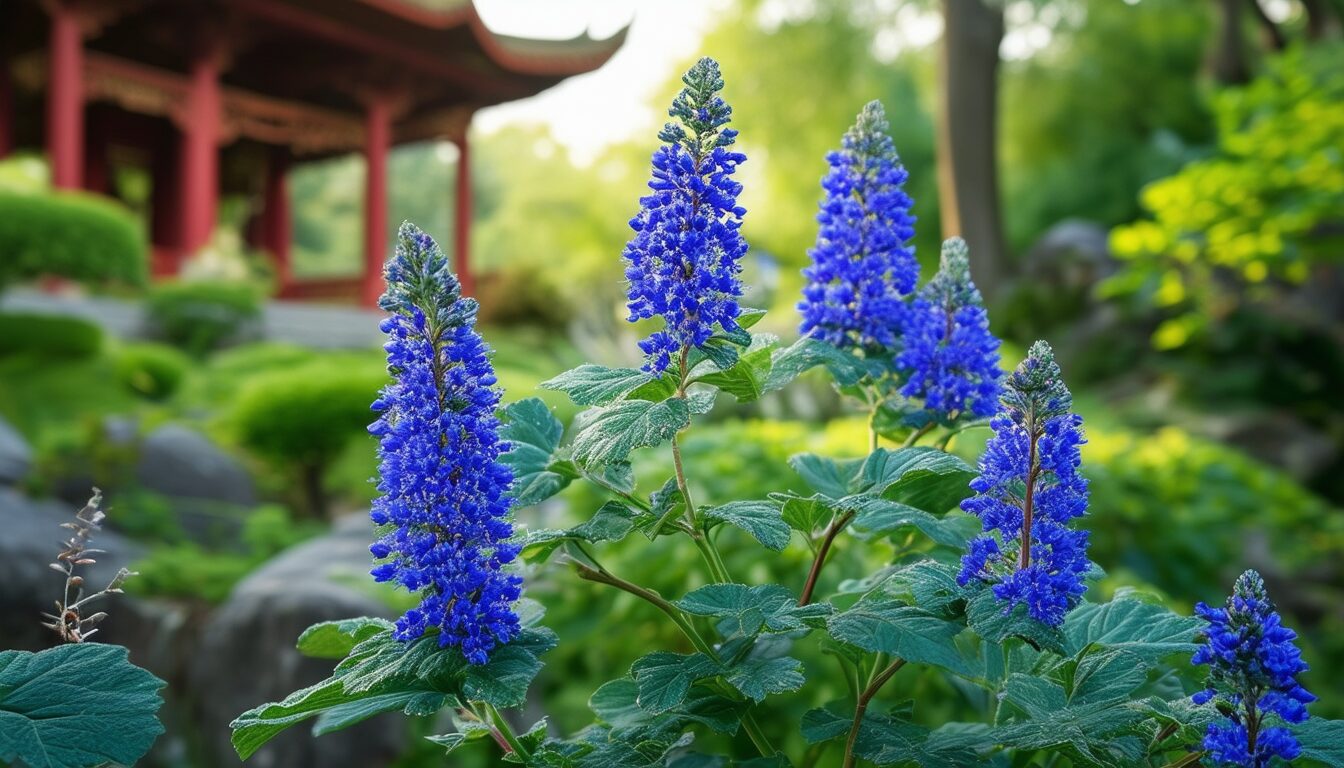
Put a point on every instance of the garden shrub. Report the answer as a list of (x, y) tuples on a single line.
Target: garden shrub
[(522, 296), (73, 235), (302, 419), (152, 371), (189, 571), (200, 317), (49, 336)]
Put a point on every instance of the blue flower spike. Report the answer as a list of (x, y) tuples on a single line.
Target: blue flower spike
[(1253, 668), (1028, 491), (862, 268), (443, 507), (684, 260), (949, 355)]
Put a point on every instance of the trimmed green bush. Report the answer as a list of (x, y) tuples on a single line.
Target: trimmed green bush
[(49, 336), (200, 317), (302, 419), (69, 234), (152, 371)]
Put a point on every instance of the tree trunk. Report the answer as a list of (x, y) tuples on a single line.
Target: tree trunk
[(1273, 36), (968, 188), (1323, 19), (314, 495), (1228, 61)]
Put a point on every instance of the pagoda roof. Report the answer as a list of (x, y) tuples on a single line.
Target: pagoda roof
[(435, 59)]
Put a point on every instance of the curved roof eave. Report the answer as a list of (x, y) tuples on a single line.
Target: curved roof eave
[(524, 56)]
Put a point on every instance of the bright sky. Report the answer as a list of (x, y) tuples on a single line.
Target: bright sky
[(589, 112)]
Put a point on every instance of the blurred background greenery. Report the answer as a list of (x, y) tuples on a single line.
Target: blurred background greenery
[(1170, 178)]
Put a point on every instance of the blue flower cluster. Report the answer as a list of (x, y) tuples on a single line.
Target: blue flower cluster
[(950, 356), (684, 259), (443, 506), (861, 267), (1253, 669), (1028, 491)]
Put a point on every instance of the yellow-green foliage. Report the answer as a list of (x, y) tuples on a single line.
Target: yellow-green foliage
[(69, 234), (1254, 212), (152, 371)]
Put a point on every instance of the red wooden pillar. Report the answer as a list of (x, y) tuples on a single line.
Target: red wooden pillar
[(65, 97), (199, 163), (276, 229), (165, 215), (377, 142), (462, 216), (6, 108)]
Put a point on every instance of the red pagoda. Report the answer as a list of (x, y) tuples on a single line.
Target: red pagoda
[(214, 96)]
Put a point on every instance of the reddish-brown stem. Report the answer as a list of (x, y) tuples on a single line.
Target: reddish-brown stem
[(1033, 470), (828, 538), (861, 706)]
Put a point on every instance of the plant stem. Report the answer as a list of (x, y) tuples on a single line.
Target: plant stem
[(1186, 760), (502, 728), (837, 525), (918, 433), (1024, 557), (603, 576), (861, 706), (872, 429)]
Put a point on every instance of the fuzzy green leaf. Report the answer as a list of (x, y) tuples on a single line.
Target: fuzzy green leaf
[(597, 384), (995, 623), (1133, 624), (383, 674), (882, 517), (882, 624), (758, 678), (335, 639), (611, 522), (752, 610), (746, 379), (76, 705), (761, 519), (1321, 740), (806, 353), (534, 435), (616, 430), (924, 478), (829, 477), (665, 678)]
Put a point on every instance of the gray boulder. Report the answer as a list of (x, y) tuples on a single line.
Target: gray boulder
[(247, 657), (16, 457), (180, 462)]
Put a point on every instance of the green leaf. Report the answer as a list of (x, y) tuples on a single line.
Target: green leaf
[(995, 623), (1130, 623), (597, 384), (745, 380), (383, 674), (748, 317), (758, 678), (616, 430), (611, 522), (76, 705), (882, 517), (764, 608), (534, 434), (335, 639), (665, 678), (805, 514), (807, 353), (828, 477), (1321, 740), (882, 624), (701, 401), (925, 478), (616, 704), (889, 739), (761, 519), (929, 585), (719, 350), (1089, 734)]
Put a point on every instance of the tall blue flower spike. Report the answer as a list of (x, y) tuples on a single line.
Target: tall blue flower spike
[(861, 269), (1253, 668), (684, 260), (443, 508), (1028, 491), (949, 355)]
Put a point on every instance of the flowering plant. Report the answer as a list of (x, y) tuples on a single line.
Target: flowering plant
[(988, 588)]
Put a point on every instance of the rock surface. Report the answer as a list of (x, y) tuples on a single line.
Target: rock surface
[(16, 457), (246, 655), (180, 462)]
